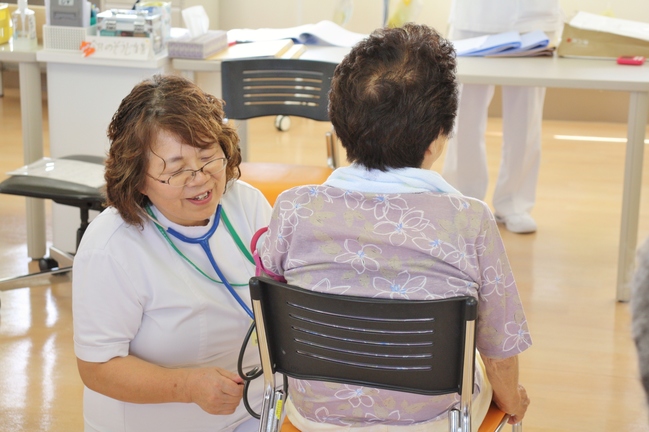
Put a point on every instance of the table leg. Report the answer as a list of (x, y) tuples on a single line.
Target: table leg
[(638, 110), (242, 130), (31, 110)]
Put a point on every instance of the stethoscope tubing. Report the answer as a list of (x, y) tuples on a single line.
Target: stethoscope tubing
[(204, 242)]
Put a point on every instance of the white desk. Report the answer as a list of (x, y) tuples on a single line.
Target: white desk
[(543, 72), (31, 112), (83, 94), (585, 74)]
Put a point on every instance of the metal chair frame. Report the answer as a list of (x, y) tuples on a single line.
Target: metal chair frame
[(425, 347)]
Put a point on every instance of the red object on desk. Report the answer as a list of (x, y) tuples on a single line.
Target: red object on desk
[(630, 60)]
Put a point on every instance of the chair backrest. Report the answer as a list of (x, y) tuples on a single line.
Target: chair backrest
[(271, 86), (411, 346)]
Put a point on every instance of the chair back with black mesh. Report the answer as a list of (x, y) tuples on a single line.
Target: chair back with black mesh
[(281, 88), (271, 86), (425, 347)]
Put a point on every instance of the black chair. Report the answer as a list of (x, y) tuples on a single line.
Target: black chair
[(279, 87), (425, 347), (78, 195)]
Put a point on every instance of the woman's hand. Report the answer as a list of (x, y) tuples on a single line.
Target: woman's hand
[(517, 407), (130, 379), (508, 394), (215, 390)]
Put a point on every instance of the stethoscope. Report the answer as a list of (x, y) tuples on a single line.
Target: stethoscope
[(204, 242)]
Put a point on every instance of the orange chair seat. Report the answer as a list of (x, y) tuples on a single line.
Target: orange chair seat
[(491, 421), (287, 426), (274, 178)]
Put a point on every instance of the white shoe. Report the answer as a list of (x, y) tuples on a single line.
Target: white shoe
[(521, 223)]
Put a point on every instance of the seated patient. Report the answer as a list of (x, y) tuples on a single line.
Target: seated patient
[(387, 226), (640, 312)]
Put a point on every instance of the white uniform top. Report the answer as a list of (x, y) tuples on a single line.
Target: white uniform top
[(497, 16), (133, 294)]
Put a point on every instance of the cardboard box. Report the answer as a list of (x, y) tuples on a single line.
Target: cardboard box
[(596, 36)]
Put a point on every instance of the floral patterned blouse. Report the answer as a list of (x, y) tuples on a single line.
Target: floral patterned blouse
[(412, 246)]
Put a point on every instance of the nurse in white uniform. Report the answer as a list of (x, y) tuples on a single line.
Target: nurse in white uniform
[(160, 297), (465, 165)]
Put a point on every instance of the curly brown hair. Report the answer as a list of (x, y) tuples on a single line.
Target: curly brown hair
[(161, 103), (393, 95)]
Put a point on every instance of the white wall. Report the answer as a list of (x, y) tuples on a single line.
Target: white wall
[(367, 14)]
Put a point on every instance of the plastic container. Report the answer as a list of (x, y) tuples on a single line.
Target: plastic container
[(5, 23), (63, 38), (24, 27)]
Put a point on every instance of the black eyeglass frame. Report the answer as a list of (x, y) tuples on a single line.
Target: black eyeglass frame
[(192, 172)]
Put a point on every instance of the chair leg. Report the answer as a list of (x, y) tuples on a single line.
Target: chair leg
[(32, 279), (453, 420), (62, 264)]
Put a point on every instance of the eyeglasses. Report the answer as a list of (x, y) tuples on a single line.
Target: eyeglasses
[(184, 177)]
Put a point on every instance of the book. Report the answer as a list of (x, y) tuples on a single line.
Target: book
[(600, 37), (533, 44), (506, 44), (487, 44), (271, 48), (294, 52), (325, 33)]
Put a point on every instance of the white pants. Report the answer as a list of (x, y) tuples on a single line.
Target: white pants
[(465, 165)]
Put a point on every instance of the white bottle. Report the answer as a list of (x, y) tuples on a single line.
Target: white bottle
[(24, 23)]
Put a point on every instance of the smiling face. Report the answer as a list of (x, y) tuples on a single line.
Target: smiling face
[(194, 203)]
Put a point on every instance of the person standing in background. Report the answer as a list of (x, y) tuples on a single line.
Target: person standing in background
[(465, 165)]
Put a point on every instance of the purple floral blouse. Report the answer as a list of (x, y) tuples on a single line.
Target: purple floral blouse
[(411, 246)]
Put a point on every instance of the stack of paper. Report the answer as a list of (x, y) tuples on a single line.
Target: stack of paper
[(535, 43), (271, 48), (507, 44), (324, 33), (621, 27)]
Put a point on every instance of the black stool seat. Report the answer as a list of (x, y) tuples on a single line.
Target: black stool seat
[(59, 191), (65, 192)]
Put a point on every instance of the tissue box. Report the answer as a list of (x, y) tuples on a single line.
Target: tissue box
[(200, 47)]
